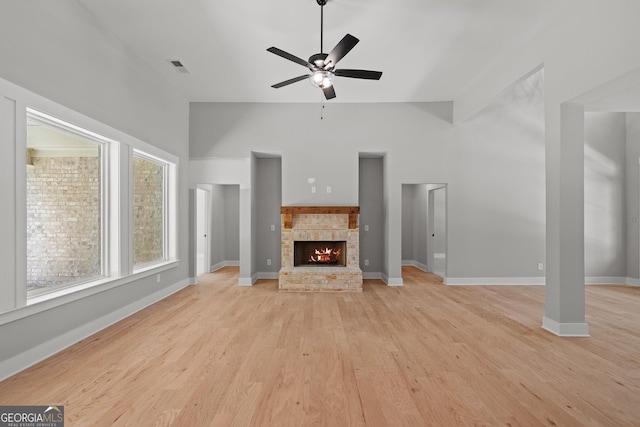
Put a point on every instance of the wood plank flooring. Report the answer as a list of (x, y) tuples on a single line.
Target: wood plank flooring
[(425, 354)]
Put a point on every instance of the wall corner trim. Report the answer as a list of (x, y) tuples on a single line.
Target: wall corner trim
[(247, 281), (392, 281), (565, 329)]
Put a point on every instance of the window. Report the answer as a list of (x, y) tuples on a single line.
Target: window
[(95, 208), (149, 209), (65, 202)]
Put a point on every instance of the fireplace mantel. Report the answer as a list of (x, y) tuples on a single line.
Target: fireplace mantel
[(288, 212)]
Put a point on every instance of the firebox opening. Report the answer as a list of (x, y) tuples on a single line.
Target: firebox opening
[(319, 254)]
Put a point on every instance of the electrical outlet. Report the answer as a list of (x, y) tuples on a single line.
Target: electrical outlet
[(366, 227), (157, 278), (328, 189), (540, 266), (273, 227), (313, 189), (268, 261), (366, 262)]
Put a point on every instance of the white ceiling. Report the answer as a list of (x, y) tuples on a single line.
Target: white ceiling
[(428, 50)]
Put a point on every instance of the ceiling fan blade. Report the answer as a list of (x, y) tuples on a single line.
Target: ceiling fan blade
[(329, 92), (290, 57), (288, 82), (342, 48), (359, 74)]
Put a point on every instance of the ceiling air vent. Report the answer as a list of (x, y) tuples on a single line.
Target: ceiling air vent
[(178, 66)]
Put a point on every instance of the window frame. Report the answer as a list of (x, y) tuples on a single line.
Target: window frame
[(103, 148), (117, 256), (168, 173)]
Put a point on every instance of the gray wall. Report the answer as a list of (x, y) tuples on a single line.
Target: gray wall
[(612, 150), (605, 195), (415, 218), (493, 164), (268, 202), (326, 150), (496, 192), (633, 192), (421, 227), (438, 230), (225, 225), (217, 240), (370, 200), (231, 203), (408, 211), (420, 222)]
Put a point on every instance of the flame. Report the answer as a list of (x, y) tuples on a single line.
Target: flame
[(325, 255)]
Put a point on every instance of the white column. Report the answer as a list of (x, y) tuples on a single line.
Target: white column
[(565, 288)]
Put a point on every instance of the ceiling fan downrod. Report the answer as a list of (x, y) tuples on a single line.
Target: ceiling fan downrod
[(321, 3)]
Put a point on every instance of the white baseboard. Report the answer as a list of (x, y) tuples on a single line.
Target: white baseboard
[(48, 348), (610, 280), (417, 264), (216, 267), (565, 329), (514, 281), (633, 282), (507, 281), (221, 264)]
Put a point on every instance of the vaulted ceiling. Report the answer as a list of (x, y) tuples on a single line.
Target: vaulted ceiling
[(428, 50)]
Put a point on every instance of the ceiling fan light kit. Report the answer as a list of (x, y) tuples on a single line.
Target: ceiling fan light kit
[(322, 66)]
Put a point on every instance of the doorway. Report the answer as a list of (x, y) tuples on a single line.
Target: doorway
[(424, 227)]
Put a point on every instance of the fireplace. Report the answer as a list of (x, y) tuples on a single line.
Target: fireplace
[(319, 254), (320, 249)]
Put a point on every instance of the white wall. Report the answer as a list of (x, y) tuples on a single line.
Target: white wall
[(57, 51)]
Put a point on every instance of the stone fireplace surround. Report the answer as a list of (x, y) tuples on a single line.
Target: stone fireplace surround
[(320, 223)]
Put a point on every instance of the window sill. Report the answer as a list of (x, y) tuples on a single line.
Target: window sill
[(54, 299)]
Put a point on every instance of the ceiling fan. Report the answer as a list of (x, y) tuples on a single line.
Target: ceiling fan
[(322, 66)]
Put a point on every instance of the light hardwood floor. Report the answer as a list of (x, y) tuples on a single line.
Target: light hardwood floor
[(420, 355)]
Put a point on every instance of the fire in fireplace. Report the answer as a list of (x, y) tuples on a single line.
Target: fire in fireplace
[(314, 253)]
